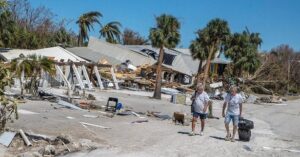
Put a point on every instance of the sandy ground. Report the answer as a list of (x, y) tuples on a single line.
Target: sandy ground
[(276, 131)]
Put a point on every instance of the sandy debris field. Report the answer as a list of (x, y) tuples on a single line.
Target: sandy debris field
[(276, 130)]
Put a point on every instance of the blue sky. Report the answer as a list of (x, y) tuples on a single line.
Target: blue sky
[(278, 21)]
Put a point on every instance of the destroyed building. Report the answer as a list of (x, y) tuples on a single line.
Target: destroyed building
[(178, 65), (79, 66)]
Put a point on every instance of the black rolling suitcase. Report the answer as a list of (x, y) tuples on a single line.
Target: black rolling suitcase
[(244, 130), (244, 134), (245, 124)]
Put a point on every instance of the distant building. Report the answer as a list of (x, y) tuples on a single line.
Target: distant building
[(218, 64)]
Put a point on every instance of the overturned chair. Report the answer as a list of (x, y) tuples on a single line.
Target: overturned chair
[(112, 108)]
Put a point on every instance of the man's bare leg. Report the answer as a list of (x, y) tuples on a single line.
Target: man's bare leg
[(202, 124), (194, 124), (227, 131), (233, 132)]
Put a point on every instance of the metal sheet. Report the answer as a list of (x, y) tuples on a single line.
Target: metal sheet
[(6, 138)]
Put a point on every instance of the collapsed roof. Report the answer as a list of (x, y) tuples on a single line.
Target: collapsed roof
[(172, 59), (57, 53), (93, 56), (119, 52)]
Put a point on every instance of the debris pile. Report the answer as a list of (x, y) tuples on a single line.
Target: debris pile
[(279, 72), (27, 143), (140, 78), (269, 99)]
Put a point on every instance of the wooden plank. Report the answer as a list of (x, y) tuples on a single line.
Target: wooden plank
[(94, 125)]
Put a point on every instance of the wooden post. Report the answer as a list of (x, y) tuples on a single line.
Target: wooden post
[(172, 77), (67, 73), (114, 78), (98, 77), (65, 79), (86, 77), (58, 78), (78, 76), (80, 71)]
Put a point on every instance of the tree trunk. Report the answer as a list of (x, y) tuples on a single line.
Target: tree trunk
[(22, 88), (240, 72), (79, 39), (199, 72), (157, 91), (90, 72), (22, 76), (234, 72), (207, 66)]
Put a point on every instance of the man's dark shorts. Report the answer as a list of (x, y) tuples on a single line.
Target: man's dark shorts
[(201, 115)]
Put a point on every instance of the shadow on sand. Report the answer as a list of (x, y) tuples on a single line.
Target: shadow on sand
[(186, 133), (218, 138), (222, 138)]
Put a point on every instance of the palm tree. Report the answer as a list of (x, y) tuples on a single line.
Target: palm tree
[(214, 36), (39, 66), (8, 106), (242, 48), (3, 4), (32, 66), (250, 62), (85, 23), (164, 35), (20, 67), (111, 32), (198, 51)]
